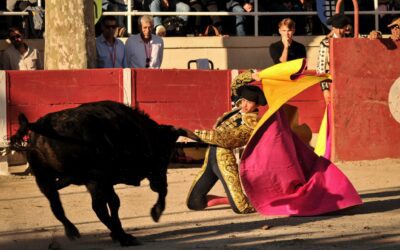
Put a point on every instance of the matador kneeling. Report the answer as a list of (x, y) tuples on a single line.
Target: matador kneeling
[(232, 130)]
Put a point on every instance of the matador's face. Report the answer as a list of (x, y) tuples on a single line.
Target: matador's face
[(248, 106)]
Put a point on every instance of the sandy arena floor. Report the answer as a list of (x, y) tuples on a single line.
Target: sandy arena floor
[(26, 221)]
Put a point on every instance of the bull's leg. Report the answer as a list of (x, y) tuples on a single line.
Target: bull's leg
[(49, 189), (159, 185), (103, 195), (114, 204)]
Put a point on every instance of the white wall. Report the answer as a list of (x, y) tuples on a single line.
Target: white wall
[(225, 52)]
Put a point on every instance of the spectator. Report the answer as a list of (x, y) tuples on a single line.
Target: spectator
[(289, 6), (395, 29), (310, 21), (286, 49), (339, 23), (144, 50), (201, 23), (116, 5), (239, 6), (110, 50), (19, 56), (165, 5)]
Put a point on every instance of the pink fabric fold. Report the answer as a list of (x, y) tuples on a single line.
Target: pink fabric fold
[(283, 176)]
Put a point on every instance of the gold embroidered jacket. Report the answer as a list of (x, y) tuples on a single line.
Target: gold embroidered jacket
[(232, 129)]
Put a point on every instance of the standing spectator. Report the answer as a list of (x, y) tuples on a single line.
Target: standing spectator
[(286, 49), (144, 50), (19, 56), (339, 23), (165, 5), (110, 50)]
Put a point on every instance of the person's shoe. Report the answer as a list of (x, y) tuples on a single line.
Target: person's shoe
[(160, 30), (213, 200)]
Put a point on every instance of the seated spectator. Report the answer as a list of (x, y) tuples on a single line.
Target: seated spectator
[(116, 5), (287, 49), (309, 20), (165, 5), (110, 50), (239, 6), (201, 22), (144, 50), (289, 6), (19, 56)]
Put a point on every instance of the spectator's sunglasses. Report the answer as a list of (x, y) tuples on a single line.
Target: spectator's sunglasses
[(110, 26), (395, 27), (13, 38)]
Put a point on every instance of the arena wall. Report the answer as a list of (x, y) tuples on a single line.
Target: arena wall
[(187, 98), (366, 99)]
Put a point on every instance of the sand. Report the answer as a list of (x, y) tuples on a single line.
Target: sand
[(27, 222)]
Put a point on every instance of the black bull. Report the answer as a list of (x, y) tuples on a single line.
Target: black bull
[(98, 145)]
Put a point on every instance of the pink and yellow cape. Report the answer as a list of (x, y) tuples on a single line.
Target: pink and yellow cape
[(280, 174)]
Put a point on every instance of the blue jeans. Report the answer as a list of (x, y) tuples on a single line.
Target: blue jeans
[(155, 5), (234, 6)]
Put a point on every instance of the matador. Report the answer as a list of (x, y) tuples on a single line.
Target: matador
[(232, 130)]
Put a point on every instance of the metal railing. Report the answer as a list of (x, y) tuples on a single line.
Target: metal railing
[(256, 14)]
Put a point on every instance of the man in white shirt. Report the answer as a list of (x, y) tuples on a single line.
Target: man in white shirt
[(144, 50), (19, 56)]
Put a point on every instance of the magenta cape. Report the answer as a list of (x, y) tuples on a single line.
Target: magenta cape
[(283, 176)]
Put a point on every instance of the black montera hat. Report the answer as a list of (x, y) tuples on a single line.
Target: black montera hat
[(252, 93), (338, 21)]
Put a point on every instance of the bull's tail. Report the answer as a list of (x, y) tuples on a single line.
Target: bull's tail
[(17, 141)]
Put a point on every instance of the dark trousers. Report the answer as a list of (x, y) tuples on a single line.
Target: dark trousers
[(206, 179)]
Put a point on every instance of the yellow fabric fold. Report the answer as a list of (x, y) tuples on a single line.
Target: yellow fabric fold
[(320, 146), (279, 88)]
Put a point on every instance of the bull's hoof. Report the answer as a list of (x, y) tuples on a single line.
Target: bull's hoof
[(156, 213), (72, 232), (126, 240)]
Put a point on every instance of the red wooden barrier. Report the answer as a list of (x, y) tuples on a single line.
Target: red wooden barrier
[(39, 92), (188, 98), (363, 73)]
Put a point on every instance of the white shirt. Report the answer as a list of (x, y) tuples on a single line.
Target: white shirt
[(13, 60), (136, 52)]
